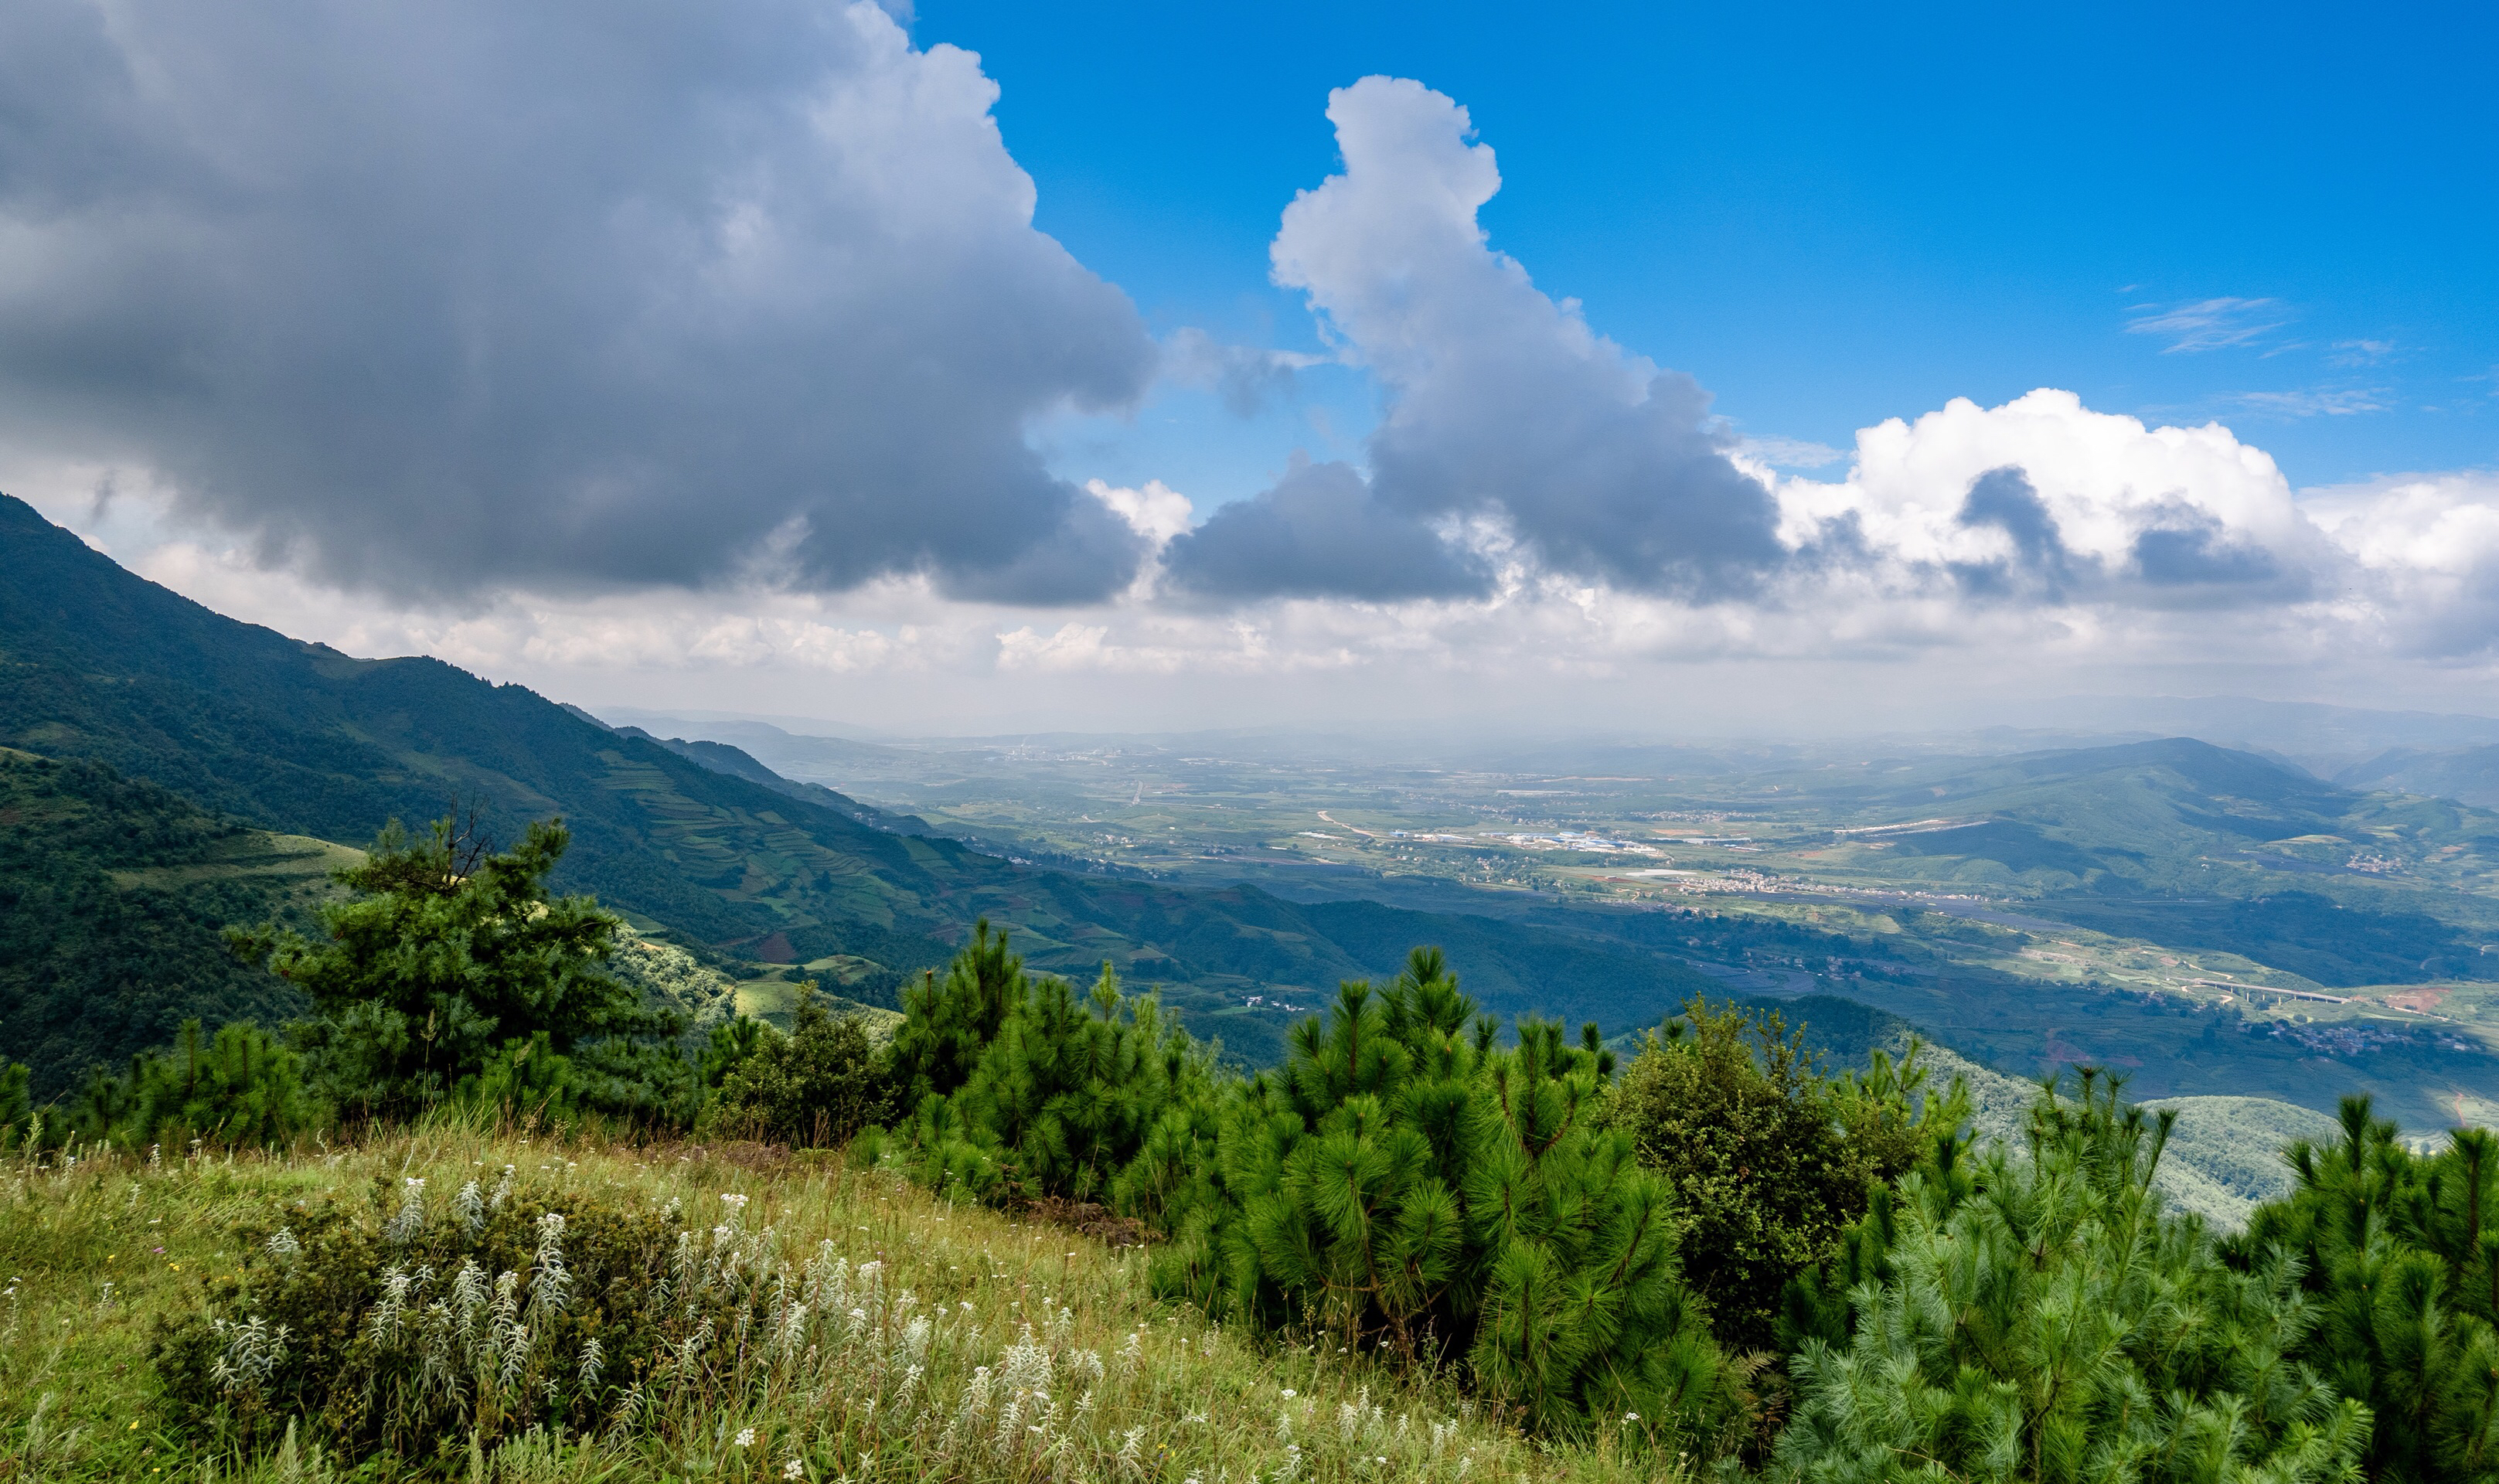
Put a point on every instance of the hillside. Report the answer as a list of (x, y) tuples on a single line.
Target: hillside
[(2470, 776), (100, 1259), (297, 738), (112, 896)]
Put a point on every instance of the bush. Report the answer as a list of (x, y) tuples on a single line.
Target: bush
[(1401, 1184), (1769, 1160), (403, 1326), (2040, 1318), (242, 1087), (816, 1087), (1063, 1098), (434, 1329), (2400, 1252)]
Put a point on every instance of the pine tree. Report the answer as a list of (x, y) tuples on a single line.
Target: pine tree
[(1401, 1184), (449, 959), (2401, 1252), (1063, 1097), (2037, 1318), (948, 1025)]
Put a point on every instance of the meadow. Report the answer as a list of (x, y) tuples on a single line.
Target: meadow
[(974, 1344)]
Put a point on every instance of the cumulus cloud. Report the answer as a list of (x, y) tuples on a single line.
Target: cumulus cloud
[(1507, 415), (465, 296), (2427, 549), (2047, 501), (1321, 531)]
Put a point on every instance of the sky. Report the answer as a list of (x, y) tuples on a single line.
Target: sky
[(1002, 368)]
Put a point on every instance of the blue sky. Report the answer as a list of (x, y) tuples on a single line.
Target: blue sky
[(1830, 216)]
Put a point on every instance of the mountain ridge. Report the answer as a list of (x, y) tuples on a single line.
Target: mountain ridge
[(97, 664)]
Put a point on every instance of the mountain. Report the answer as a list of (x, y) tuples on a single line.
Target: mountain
[(112, 893), (2470, 776), (2179, 842), (297, 738), (2320, 738)]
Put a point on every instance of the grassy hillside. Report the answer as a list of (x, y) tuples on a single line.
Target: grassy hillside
[(101, 1253), (113, 894)]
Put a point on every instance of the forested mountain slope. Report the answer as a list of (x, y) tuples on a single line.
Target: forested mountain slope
[(113, 894), (98, 663)]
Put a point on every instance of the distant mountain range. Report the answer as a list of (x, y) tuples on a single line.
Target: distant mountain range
[(2469, 776)]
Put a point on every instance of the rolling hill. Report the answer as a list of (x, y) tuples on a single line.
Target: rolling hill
[(2470, 776)]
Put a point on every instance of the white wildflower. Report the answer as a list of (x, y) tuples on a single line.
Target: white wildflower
[(552, 1282), (410, 1218), (247, 1354)]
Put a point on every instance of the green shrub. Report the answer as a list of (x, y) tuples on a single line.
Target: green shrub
[(1768, 1159), (430, 1328), (1401, 1184), (816, 1086), (448, 966), (242, 1087), (2039, 1318), (2400, 1252), (402, 1325), (16, 1101), (1062, 1097)]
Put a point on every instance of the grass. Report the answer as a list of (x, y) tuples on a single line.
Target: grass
[(96, 1251)]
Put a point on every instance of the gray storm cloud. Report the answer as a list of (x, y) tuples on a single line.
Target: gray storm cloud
[(436, 298), (1317, 534), (1504, 411)]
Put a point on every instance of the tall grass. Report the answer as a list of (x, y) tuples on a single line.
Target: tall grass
[(808, 1320)]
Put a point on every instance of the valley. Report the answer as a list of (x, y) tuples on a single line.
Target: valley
[(2211, 922)]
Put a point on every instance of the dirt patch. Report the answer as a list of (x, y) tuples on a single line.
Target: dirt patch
[(1090, 1218), (2420, 1001)]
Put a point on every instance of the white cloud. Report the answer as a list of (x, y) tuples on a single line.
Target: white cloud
[(2209, 324), (1507, 415), (1546, 524), (2314, 401), (2106, 484)]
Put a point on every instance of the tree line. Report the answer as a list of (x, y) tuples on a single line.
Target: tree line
[(1711, 1246)]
